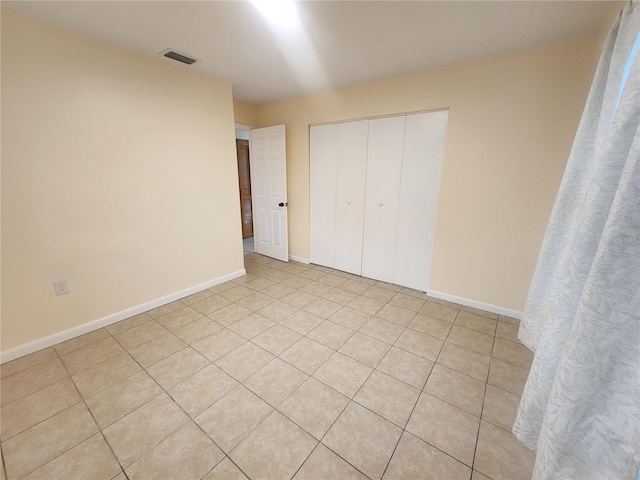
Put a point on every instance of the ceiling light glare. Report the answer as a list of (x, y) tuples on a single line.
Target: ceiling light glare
[(279, 12)]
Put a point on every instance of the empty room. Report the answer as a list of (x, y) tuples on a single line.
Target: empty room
[(282, 239)]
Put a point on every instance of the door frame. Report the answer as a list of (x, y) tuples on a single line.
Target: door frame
[(245, 128), (242, 126)]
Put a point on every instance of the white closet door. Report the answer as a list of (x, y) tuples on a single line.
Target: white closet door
[(421, 171), (323, 145), (351, 175), (384, 171)]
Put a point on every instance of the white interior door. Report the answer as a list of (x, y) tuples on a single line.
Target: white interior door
[(269, 191), (322, 156), (421, 171), (384, 172), (350, 193)]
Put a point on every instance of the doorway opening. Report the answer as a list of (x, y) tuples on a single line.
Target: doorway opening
[(263, 189), (244, 181)]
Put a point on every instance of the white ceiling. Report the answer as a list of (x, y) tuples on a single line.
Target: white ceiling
[(331, 44)]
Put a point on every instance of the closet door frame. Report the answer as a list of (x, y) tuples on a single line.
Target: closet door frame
[(322, 186)]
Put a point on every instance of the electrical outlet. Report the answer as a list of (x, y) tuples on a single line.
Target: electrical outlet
[(61, 286)]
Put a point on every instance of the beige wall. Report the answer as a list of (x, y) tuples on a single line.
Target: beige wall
[(118, 174), (512, 121), (245, 113)]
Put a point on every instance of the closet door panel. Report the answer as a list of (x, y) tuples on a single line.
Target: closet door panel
[(421, 171), (322, 157), (384, 172), (350, 191)]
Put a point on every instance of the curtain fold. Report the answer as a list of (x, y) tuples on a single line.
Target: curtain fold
[(580, 408)]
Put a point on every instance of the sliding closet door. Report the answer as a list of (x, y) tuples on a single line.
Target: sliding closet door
[(323, 145), (351, 174), (421, 171), (384, 171)]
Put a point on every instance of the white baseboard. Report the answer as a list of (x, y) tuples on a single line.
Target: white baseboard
[(475, 304), (56, 338), (299, 259)]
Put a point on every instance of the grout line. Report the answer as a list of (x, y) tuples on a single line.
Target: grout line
[(308, 456), (4, 467), (44, 419), (95, 422), (484, 396)]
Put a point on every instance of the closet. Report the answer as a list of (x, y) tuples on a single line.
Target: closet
[(374, 196)]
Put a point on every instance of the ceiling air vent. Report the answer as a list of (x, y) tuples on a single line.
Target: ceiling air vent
[(179, 57)]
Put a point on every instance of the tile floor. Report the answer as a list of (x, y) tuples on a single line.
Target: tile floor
[(292, 371)]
